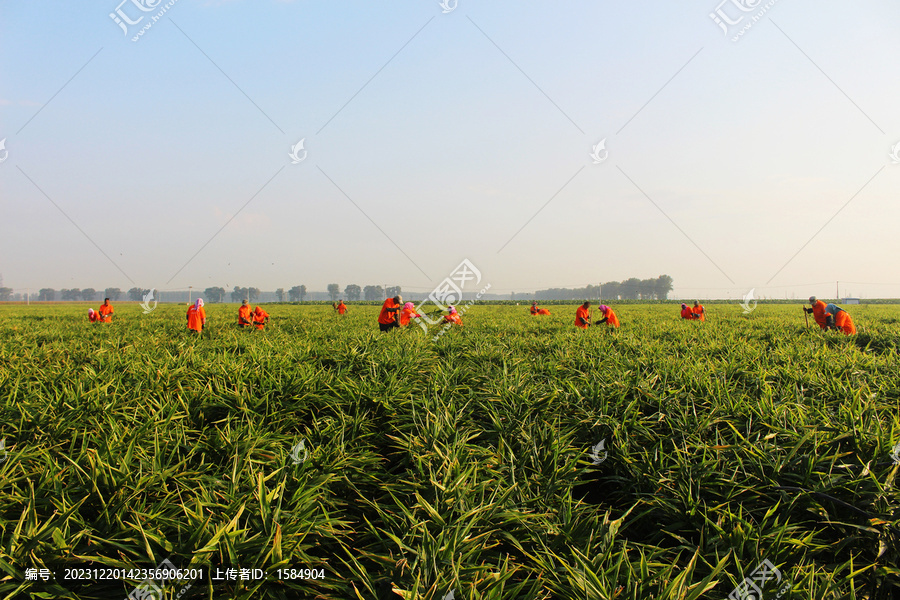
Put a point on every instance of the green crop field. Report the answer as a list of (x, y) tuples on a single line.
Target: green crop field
[(368, 465)]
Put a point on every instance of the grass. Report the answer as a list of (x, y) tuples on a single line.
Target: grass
[(459, 464)]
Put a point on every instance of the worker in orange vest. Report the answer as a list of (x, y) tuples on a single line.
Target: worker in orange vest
[(196, 317)]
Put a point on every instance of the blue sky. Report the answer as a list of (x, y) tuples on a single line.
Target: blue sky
[(432, 137)]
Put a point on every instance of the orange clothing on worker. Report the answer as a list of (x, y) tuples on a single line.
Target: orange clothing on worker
[(385, 317), (582, 317), (699, 312), (687, 313), (259, 318), (538, 311), (408, 313), (453, 319), (840, 319), (844, 323), (820, 314), (106, 311), (196, 317), (244, 315), (611, 319), (341, 308), (93, 316)]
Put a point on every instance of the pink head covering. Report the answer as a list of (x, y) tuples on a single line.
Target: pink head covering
[(198, 304), (603, 308), (90, 312), (409, 306), (452, 310)]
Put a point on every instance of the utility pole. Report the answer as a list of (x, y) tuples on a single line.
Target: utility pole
[(190, 293), (837, 290)]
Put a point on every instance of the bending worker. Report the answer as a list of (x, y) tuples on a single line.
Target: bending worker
[(819, 312), (609, 317), (839, 319), (390, 311)]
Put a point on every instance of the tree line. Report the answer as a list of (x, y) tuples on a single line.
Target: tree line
[(215, 294), (630, 289)]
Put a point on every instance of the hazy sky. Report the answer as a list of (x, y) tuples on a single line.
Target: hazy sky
[(433, 136)]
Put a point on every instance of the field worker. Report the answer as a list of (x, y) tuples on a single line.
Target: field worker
[(196, 317), (538, 311), (583, 315), (687, 313), (408, 313), (93, 316), (609, 317), (341, 307), (819, 312), (840, 320), (244, 316), (106, 311), (260, 318), (699, 311), (390, 311), (453, 318)]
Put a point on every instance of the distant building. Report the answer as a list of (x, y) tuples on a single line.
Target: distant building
[(849, 300)]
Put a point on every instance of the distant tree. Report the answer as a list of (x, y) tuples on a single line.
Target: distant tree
[(631, 288), (294, 293), (72, 294), (279, 293), (302, 292), (333, 291), (253, 294), (663, 287), (214, 294), (136, 294), (47, 295), (352, 292), (392, 291), (373, 292), (648, 289), (112, 293), (238, 294), (5, 294), (88, 294), (610, 290)]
